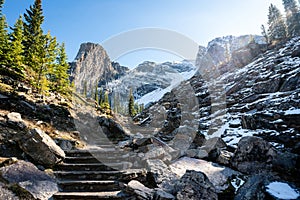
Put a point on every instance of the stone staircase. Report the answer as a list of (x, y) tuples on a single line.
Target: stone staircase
[(99, 173)]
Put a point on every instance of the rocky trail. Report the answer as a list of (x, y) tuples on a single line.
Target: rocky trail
[(94, 173)]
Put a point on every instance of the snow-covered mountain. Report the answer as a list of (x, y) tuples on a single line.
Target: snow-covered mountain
[(149, 81)]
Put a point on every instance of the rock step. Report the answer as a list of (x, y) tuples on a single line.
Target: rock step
[(88, 159), (84, 153), (102, 175), (89, 186), (99, 159), (112, 195), (85, 167)]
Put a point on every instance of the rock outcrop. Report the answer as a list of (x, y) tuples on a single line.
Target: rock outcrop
[(27, 180), (92, 66), (41, 148), (228, 53)]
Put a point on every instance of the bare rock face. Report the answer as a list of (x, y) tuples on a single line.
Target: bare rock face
[(41, 148), (229, 52), (30, 180), (92, 66)]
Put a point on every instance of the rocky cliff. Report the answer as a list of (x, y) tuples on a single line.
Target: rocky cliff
[(92, 66), (228, 53)]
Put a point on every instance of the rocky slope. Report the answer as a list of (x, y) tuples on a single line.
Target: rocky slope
[(243, 117), (92, 66)]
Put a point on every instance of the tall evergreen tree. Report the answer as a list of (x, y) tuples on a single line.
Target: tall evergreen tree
[(105, 104), (62, 82), (17, 49), (131, 108), (277, 27), (4, 40), (96, 93), (34, 43), (292, 17)]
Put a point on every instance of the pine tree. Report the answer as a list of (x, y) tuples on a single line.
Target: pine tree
[(292, 17), (62, 82), (4, 41), (34, 43), (105, 104), (131, 109), (96, 94), (277, 27), (17, 49), (264, 33), (100, 97)]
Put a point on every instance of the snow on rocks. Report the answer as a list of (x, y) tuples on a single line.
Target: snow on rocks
[(282, 190)]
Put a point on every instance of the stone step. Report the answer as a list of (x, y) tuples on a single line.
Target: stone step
[(87, 159), (89, 186), (113, 195), (105, 166), (125, 176), (85, 152), (84, 167), (99, 159)]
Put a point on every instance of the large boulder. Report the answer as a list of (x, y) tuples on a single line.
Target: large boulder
[(26, 177), (161, 175), (41, 148), (142, 192), (253, 188), (253, 154), (139, 190), (195, 185), (218, 175), (112, 129)]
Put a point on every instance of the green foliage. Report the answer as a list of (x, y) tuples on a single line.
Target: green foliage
[(105, 106), (277, 27), (96, 94), (17, 49), (292, 17), (100, 101), (35, 42), (62, 83), (29, 54), (4, 39), (131, 109)]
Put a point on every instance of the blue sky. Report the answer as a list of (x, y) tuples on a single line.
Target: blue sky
[(78, 21)]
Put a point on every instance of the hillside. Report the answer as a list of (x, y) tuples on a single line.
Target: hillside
[(246, 118)]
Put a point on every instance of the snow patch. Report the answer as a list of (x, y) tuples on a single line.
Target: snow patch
[(282, 190), (292, 112)]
